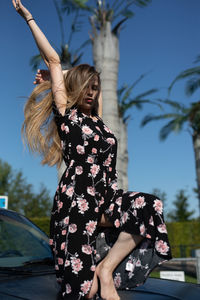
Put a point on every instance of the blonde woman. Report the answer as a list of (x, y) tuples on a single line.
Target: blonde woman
[(62, 121)]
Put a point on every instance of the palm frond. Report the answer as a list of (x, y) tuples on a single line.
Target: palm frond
[(117, 27), (35, 62), (151, 117), (192, 85), (185, 74), (174, 125), (70, 6), (174, 104)]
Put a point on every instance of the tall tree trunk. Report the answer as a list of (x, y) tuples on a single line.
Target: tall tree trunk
[(196, 144), (106, 60)]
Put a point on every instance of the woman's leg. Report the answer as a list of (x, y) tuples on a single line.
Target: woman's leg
[(122, 247)]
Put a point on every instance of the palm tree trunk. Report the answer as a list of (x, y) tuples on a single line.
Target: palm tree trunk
[(106, 60), (196, 145)]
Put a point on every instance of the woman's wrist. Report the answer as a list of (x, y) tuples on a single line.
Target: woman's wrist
[(29, 18)]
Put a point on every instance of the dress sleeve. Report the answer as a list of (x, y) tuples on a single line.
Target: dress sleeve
[(70, 131)]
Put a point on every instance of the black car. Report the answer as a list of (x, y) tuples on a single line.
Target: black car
[(27, 267)]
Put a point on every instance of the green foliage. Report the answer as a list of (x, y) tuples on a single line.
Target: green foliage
[(126, 100), (42, 222), (21, 197), (184, 237), (180, 213)]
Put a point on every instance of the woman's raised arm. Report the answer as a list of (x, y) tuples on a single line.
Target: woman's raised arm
[(49, 56)]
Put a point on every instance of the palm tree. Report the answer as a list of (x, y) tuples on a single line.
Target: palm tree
[(181, 115), (106, 21), (125, 102)]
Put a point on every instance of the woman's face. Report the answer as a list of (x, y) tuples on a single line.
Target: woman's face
[(88, 102)]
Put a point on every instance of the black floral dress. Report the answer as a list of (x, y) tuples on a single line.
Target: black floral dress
[(87, 189)]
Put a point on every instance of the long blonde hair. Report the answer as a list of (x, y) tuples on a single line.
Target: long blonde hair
[(39, 129)]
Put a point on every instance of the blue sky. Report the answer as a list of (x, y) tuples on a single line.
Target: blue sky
[(161, 40)]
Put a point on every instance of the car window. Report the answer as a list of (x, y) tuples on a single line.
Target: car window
[(21, 241)]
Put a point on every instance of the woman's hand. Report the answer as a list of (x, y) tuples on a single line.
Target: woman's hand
[(21, 9), (41, 76)]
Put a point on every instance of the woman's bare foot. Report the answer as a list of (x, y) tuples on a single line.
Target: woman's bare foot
[(108, 290), (94, 287)]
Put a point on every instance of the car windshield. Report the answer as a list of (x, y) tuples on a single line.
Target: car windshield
[(21, 241)]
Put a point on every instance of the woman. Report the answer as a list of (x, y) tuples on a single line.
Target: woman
[(87, 193)]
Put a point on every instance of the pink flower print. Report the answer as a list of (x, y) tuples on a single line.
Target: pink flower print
[(142, 229), (94, 150), (97, 127), (77, 265), (90, 227), (94, 169), (67, 263), (62, 126), (148, 236), (91, 190), (68, 288), (71, 163), (73, 203), (110, 169), (151, 222), (87, 130), (60, 205), (162, 228), (111, 207), (60, 261), (158, 206), (66, 220), (125, 217), (139, 202), (62, 247), (114, 186), (93, 268), (96, 209), (135, 213), (56, 267), (85, 143), (80, 149), (101, 201), (117, 280), (110, 141), (107, 129), (79, 170), (133, 194), (90, 159), (117, 223), (82, 205), (70, 191), (85, 286), (64, 188), (72, 228), (96, 137), (119, 201), (64, 231), (86, 249), (107, 162), (73, 116), (50, 242), (162, 247), (138, 263)]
